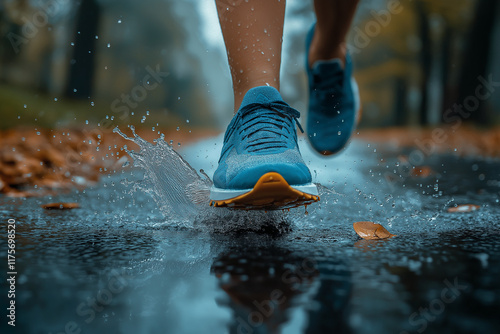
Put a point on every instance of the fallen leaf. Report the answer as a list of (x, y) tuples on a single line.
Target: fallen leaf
[(371, 231), (60, 206), (382, 233), (422, 171), (464, 208)]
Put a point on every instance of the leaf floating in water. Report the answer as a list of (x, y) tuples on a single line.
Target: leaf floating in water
[(382, 233), (422, 171), (371, 231), (464, 208), (60, 206)]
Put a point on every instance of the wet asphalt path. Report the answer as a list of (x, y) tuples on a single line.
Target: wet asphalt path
[(116, 265)]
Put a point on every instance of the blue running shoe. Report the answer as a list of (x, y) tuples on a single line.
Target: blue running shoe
[(260, 165), (333, 102)]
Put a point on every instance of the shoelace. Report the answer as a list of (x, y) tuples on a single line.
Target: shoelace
[(265, 119)]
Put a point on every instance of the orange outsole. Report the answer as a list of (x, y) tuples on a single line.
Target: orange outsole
[(271, 192)]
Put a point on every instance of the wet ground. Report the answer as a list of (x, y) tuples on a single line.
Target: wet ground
[(116, 265)]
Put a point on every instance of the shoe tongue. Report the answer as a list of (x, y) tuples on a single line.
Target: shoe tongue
[(261, 94), (328, 68)]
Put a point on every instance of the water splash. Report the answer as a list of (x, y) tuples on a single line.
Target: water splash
[(182, 194), (175, 186)]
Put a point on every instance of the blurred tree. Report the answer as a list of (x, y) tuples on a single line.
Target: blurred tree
[(425, 59), (477, 55), (81, 69)]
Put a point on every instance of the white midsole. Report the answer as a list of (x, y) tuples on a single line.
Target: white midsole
[(357, 100), (218, 194)]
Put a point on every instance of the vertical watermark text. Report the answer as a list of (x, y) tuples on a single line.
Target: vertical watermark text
[(11, 272)]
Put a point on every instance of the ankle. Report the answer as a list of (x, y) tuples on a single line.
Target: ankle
[(326, 51)]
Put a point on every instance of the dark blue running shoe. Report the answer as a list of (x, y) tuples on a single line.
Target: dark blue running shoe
[(333, 102), (260, 165)]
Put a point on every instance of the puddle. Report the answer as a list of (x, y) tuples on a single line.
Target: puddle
[(139, 257)]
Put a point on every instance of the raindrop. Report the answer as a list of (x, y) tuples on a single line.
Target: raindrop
[(178, 128), (86, 121), (109, 45), (187, 120), (119, 21)]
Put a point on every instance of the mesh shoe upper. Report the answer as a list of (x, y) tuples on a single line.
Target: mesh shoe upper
[(261, 138)]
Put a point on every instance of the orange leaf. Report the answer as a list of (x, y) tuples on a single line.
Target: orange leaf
[(422, 171), (382, 233), (464, 208), (60, 206), (371, 231)]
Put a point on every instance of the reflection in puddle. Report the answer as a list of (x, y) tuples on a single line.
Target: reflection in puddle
[(267, 286)]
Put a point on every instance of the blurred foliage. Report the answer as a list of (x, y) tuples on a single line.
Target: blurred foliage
[(410, 70)]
